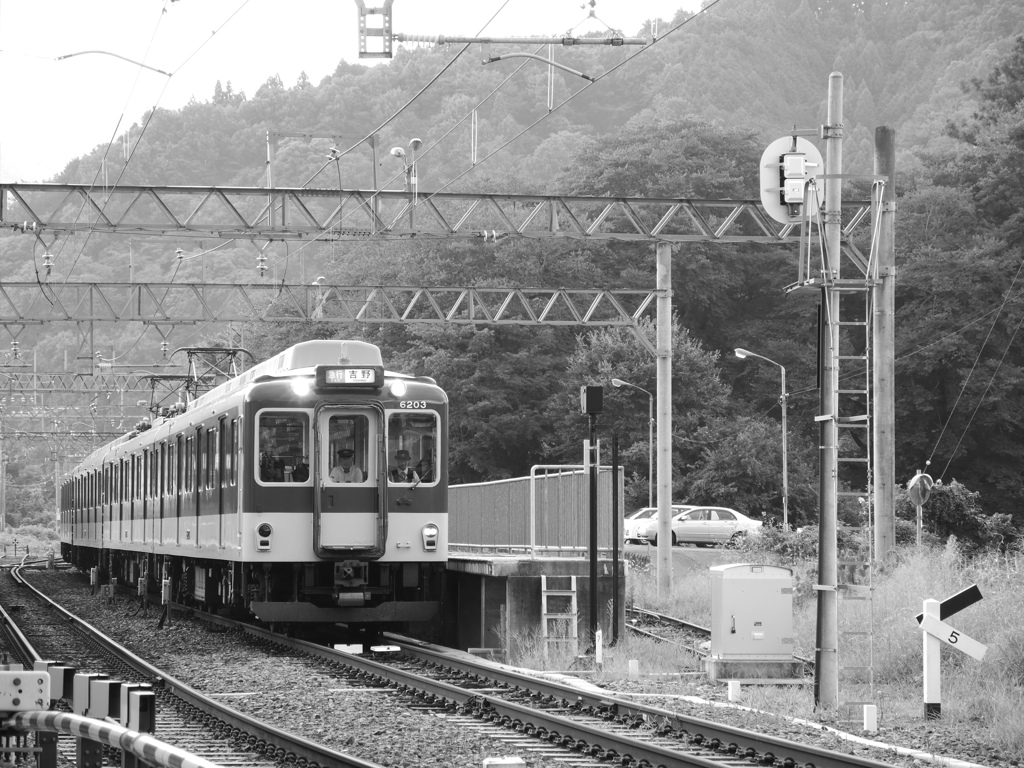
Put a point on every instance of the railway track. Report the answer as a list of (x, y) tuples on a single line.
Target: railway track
[(580, 725), (37, 628), (553, 722), (691, 638)]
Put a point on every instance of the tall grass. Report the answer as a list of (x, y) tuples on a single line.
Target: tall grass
[(985, 696)]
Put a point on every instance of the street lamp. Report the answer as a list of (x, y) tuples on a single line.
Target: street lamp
[(617, 383), (411, 180), (743, 353)]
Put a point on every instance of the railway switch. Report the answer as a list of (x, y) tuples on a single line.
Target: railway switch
[(24, 690)]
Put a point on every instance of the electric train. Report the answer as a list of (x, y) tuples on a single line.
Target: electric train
[(229, 502)]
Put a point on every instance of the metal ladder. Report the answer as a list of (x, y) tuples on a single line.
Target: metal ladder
[(855, 500), (559, 627)]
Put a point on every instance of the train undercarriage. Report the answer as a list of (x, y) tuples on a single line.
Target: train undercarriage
[(342, 598)]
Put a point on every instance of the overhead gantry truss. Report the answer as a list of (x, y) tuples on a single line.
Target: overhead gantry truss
[(265, 215), (299, 213), (23, 304)]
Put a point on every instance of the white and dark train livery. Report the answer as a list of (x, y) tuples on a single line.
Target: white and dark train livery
[(232, 497)]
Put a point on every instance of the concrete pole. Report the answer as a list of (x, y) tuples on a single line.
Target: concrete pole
[(785, 454), (883, 382), (664, 389), (826, 669)]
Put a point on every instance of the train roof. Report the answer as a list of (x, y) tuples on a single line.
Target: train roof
[(297, 360), (304, 357)]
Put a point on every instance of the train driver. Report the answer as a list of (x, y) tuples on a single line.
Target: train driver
[(345, 472), (403, 473)]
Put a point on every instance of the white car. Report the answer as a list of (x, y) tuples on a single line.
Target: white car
[(635, 519), (642, 525), (705, 526)]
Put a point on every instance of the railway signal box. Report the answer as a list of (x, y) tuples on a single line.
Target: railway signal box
[(751, 623)]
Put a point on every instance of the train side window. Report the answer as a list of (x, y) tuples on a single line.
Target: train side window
[(283, 446), (230, 453), (212, 465), (412, 447), (190, 463)]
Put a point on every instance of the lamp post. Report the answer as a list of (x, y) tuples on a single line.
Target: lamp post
[(411, 180), (742, 354), (617, 383)]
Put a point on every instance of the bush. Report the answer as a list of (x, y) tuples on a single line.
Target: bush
[(953, 510)]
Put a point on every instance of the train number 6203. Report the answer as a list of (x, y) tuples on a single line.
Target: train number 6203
[(413, 404)]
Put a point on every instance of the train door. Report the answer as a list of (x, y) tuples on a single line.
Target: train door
[(220, 475), (349, 471)]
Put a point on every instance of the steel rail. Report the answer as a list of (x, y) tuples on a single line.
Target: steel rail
[(559, 729), (310, 751)]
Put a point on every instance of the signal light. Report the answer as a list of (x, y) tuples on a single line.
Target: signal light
[(787, 166)]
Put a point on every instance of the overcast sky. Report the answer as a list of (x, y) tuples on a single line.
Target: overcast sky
[(56, 110)]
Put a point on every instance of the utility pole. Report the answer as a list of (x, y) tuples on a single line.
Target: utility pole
[(826, 668), (664, 390), (883, 331)]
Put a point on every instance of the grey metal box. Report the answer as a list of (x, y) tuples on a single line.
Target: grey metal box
[(751, 612)]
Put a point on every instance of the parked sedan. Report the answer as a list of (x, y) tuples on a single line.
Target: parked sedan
[(643, 527), (705, 526)]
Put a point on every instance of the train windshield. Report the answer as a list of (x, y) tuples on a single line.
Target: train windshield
[(349, 437), (412, 448)]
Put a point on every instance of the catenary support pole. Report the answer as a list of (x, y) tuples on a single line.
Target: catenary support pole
[(616, 538), (664, 374), (594, 460), (883, 332), (826, 668)]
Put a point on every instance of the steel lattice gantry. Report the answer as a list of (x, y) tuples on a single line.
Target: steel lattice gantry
[(300, 213), (265, 215)]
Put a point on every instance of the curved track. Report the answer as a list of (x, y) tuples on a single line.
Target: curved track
[(185, 718)]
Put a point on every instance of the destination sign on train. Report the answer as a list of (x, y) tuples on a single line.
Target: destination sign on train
[(358, 377)]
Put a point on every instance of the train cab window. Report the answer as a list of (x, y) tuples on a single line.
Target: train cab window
[(412, 448), (347, 456), (283, 447)]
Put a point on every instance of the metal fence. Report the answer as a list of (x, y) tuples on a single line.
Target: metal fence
[(547, 513)]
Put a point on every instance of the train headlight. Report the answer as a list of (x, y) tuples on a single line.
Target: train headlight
[(264, 534), (430, 534), (399, 388), (301, 387)]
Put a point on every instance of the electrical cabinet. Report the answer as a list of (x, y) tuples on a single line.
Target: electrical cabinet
[(752, 612)]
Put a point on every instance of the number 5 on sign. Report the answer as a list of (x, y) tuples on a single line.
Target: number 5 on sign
[(953, 637)]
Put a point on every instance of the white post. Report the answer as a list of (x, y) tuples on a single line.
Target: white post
[(932, 658)]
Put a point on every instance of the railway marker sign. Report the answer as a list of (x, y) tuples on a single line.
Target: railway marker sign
[(935, 631)]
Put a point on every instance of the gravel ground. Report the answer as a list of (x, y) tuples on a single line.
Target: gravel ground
[(375, 727)]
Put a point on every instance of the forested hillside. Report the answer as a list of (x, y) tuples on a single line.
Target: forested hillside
[(686, 117)]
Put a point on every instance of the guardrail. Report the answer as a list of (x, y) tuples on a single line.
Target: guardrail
[(140, 746), (547, 513)]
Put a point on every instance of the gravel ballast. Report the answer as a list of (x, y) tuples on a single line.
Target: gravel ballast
[(298, 695)]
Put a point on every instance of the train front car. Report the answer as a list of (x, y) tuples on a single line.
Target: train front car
[(312, 489), (344, 503)]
